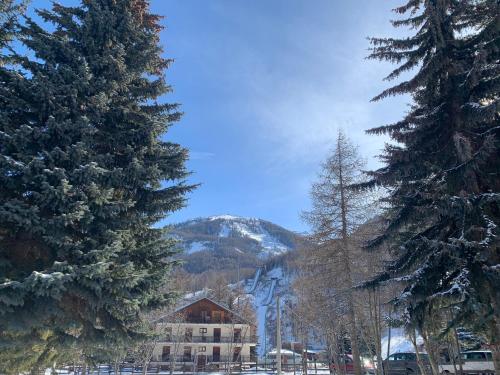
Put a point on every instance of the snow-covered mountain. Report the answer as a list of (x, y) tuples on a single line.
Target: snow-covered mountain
[(248, 252), (227, 241)]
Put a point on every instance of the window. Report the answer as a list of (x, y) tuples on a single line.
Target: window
[(474, 356), (397, 357), (410, 357)]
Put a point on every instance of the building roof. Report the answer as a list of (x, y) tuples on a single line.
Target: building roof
[(222, 306)]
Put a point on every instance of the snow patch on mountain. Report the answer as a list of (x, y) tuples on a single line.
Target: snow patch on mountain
[(232, 226), (196, 246), (250, 235), (223, 217)]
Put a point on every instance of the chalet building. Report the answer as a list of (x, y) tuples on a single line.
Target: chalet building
[(205, 335)]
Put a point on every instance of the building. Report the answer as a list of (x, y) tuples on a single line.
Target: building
[(205, 335)]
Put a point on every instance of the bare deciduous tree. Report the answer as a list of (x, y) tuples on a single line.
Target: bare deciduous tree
[(337, 212)]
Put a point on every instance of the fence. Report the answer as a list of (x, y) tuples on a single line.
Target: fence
[(243, 368)]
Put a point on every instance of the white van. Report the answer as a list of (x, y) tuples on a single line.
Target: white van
[(473, 362)]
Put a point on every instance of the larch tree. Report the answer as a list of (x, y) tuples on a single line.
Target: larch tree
[(442, 170), (336, 213), (86, 173)]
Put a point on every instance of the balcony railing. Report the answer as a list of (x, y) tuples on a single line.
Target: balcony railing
[(209, 339), (208, 359)]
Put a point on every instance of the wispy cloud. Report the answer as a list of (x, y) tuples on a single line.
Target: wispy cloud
[(201, 155)]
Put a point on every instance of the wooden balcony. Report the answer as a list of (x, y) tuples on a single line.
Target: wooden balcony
[(182, 359), (251, 339)]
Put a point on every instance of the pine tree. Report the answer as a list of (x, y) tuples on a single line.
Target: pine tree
[(442, 173), (85, 175), (9, 13)]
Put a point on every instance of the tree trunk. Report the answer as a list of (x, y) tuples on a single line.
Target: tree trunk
[(459, 351), (429, 348), (413, 339), (387, 370), (377, 330), (341, 362), (495, 351), (495, 333), (354, 340), (345, 255), (147, 357)]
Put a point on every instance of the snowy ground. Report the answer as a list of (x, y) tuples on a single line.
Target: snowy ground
[(260, 371), (262, 298)]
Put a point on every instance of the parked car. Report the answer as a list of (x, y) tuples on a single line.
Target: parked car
[(405, 364), (348, 363), (368, 368), (473, 362)]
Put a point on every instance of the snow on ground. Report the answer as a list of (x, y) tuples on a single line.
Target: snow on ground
[(259, 370), (399, 342), (260, 297)]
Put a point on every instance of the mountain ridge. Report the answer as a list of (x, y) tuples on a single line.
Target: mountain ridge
[(228, 242)]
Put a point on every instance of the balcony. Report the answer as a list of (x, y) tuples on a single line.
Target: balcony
[(209, 339), (209, 359)]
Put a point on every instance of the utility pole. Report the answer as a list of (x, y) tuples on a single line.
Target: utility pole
[(278, 336)]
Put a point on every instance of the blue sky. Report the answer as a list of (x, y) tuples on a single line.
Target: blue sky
[(264, 85)]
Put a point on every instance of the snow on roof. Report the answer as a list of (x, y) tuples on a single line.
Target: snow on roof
[(283, 352)]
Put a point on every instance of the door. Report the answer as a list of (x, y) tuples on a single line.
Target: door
[(396, 364), (411, 364), (216, 334), (216, 354), (201, 362)]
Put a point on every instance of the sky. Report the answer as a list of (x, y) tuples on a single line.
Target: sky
[(264, 86)]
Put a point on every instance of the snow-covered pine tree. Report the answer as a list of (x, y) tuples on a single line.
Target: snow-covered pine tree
[(85, 175), (443, 170)]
